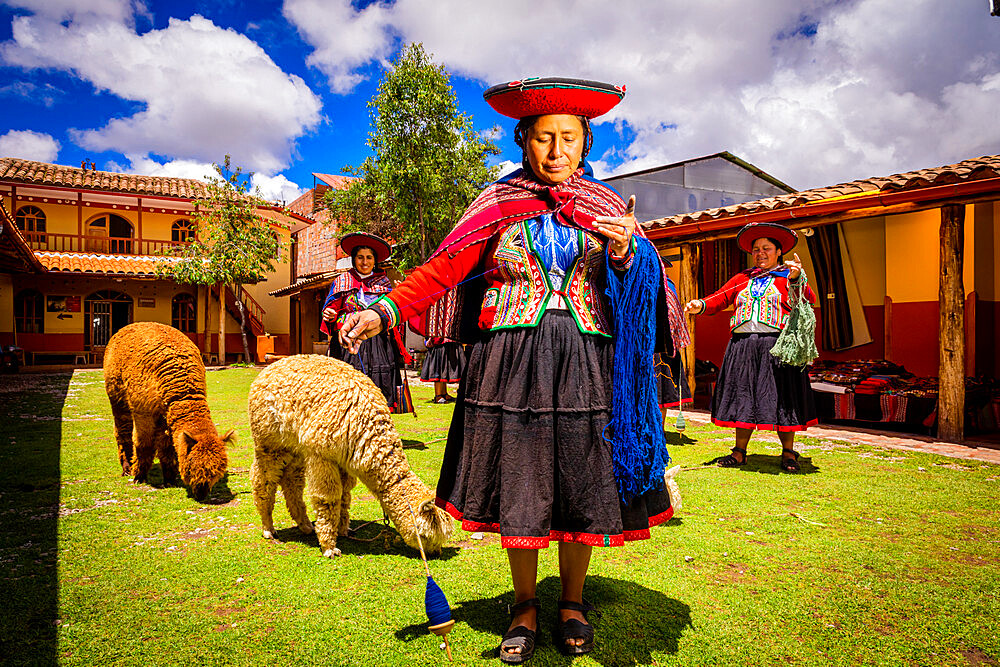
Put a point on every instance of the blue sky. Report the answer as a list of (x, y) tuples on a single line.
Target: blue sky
[(813, 91)]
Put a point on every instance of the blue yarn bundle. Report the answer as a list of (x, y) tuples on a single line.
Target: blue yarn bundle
[(436, 605), (639, 452)]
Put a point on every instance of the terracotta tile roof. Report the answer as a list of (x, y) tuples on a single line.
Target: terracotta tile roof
[(42, 173), (315, 281), (334, 180), (15, 255), (82, 262), (965, 171)]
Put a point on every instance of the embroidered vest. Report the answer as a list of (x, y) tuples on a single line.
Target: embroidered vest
[(522, 287), (759, 301)]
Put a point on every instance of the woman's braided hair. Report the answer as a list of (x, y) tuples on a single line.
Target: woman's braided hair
[(528, 122)]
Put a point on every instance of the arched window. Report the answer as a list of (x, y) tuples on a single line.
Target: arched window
[(182, 313), (182, 231), (31, 221), (29, 307), (109, 233)]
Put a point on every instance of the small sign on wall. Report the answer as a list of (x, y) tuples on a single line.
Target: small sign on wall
[(56, 303), (146, 302)]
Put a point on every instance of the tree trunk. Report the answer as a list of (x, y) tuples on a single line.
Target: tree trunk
[(222, 324), (206, 342), (243, 323), (951, 304), (687, 289), (423, 232)]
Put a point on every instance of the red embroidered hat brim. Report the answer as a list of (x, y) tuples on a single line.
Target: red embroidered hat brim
[(539, 96), (786, 238), (379, 246)]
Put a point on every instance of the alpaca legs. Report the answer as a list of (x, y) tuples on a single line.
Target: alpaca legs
[(143, 433), (264, 473), (293, 483), (166, 453), (326, 490), (123, 435), (347, 481)]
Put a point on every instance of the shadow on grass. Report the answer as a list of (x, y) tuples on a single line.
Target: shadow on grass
[(770, 465), (367, 538), (413, 444), (31, 412), (636, 621), (675, 439), (219, 495)]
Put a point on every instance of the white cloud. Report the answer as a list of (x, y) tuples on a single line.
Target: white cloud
[(277, 188), (29, 145), (205, 91), (813, 91), (344, 38), (142, 164)]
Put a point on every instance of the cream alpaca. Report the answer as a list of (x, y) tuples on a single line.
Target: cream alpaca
[(319, 421), (155, 381)]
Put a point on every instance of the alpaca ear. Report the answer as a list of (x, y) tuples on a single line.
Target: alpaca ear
[(230, 438)]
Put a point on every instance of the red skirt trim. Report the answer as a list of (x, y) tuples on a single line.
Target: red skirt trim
[(589, 539), (674, 404), (766, 427)]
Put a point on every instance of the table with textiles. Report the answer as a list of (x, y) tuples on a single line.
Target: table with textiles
[(875, 390)]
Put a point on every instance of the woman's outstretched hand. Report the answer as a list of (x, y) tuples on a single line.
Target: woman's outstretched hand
[(794, 267), (359, 326), (618, 230), (693, 307)]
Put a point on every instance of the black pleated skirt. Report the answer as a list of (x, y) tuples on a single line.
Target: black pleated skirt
[(379, 359), (755, 390), (443, 363), (526, 456), (672, 381)]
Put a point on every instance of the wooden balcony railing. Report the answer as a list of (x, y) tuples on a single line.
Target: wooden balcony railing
[(104, 245)]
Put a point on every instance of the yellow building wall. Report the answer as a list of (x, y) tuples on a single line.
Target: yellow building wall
[(866, 244)]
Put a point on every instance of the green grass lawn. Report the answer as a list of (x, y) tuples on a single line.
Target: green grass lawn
[(868, 557)]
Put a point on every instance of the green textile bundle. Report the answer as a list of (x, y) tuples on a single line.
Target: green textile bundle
[(796, 344)]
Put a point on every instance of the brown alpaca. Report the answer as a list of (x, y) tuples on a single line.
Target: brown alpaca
[(317, 420), (155, 380)]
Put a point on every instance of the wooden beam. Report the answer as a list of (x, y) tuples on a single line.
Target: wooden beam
[(951, 302), (687, 289), (887, 328), (659, 237)]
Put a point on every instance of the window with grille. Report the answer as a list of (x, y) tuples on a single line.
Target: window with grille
[(31, 221), (182, 314), (182, 231), (28, 311)]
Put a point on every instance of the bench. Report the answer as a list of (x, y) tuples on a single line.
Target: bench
[(79, 358)]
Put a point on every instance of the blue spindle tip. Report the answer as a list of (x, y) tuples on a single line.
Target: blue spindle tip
[(438, 610)]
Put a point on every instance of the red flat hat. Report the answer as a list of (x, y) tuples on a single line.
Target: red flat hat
[(786, 238), (539, 96), (379, 246)]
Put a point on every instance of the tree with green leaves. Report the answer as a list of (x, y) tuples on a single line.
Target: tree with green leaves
[(233, 244), (428, 162)]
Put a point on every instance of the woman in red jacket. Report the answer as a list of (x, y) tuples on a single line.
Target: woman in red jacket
[(754, 390)]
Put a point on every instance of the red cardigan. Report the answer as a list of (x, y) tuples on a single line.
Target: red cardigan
[(770, 308)]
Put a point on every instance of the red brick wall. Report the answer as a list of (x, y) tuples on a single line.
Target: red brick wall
[(317, 249)]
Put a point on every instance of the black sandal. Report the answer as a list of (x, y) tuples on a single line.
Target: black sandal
[(440, 398), (520, 636), (730, 461), (790, 464), (574, 629)]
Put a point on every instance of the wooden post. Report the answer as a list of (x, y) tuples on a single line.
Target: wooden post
[(687, 289), (222, 324), (951, 304)]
